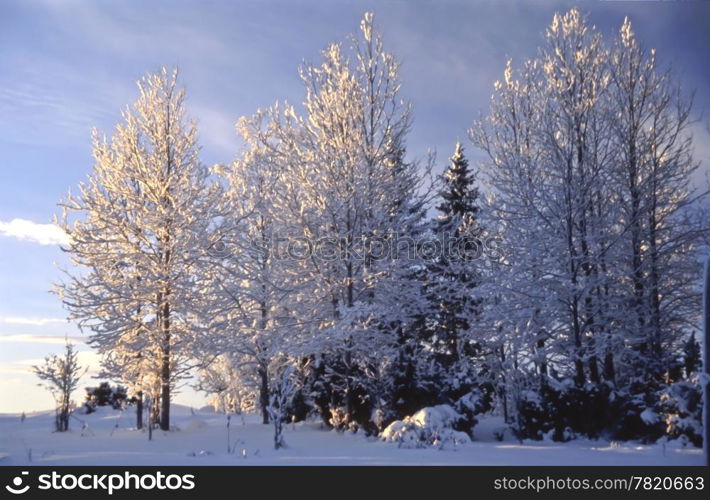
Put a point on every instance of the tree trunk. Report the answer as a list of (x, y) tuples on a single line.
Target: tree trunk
[(139, 410), (349, 396), (609, 370), (503, 393), (165, 395), (165, 371), (593, 362), (349, 403), (543, 363), (278, 432), (150, 417), (264, 394), (263, 370), (578, 363), (655, 297)]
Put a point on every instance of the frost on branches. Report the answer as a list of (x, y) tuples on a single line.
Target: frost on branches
[(589, 162), (325, 274), (138, 228)]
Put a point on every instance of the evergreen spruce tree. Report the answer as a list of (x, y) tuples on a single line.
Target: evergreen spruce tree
[(691, 356), (459, 194), (452, 279)]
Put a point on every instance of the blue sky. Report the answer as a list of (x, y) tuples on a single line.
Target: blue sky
[(66, 66)]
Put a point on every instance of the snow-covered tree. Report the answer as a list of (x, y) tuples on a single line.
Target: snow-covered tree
[(284, 387), (255, 282), (137, 365), (589, 164), (139, 230), (660, 223), (61, 375), (574, 146), (452, 274), (231, 387), (349, 194), (547, 148), (459, 194)]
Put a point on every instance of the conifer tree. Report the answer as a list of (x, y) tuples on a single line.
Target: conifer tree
[(452, 275)]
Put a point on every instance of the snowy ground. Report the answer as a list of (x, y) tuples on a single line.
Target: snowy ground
[(200, 439)]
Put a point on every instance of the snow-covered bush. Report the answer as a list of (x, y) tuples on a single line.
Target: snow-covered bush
[(438, 425), (327, 394), (635, 413), (576, 410), (562, 410), (532, 420), (682, 404), (431, 426), (338, 418), (469, 405)]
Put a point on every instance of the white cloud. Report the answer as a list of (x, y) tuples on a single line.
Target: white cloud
[(39, 339), (17, 320), (88, 359), (26, 230)]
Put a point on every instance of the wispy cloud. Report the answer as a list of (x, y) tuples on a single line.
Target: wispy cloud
[(87, 359), (26, 230), (217, 129), (53, 102), (124, 30), (39, 339), (18, 320)]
